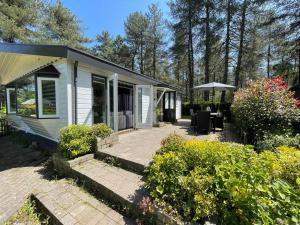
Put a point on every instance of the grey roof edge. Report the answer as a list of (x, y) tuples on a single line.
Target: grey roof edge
[(64, 51), (35, 49)]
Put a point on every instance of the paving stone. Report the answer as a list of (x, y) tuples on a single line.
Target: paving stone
[(83, 210), (20, 176), (68, 219), (124, 185)]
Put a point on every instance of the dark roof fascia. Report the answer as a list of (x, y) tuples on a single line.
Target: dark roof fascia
[(84, 57), (35, 49), (63, 51)]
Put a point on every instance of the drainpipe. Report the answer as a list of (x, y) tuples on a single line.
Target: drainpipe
[(75, 91)]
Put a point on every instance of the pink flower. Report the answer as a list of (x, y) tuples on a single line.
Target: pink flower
[(297, 102)]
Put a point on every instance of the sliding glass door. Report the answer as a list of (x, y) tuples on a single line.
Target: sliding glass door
[(125, 105), (100, 100)]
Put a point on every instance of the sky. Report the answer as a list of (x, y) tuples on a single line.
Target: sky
[(108, 15)]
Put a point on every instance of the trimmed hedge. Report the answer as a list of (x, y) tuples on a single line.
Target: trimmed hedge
[(231, 182), (76, 140), (271, 142), (101, 130)]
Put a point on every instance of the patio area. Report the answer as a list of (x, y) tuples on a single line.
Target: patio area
[(139, 146)]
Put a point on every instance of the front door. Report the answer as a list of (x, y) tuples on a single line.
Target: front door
[(169, 112), (144, 106)]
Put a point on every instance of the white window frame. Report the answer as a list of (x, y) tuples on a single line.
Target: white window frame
[(8, 100), (40, 97)]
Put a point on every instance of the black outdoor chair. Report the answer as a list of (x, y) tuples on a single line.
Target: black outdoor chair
[(192, 119), (202, 122), (220, 122)]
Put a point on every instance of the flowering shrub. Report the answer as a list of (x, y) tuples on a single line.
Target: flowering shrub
[(265, 106), (227, 181)]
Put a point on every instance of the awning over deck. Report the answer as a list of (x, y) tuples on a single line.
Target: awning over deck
[(14, 66), (19, 59)]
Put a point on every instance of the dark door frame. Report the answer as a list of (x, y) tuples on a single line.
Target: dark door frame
[(169, 115)]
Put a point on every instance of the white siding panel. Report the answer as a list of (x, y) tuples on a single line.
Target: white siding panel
[(178, 106), (84, 97)]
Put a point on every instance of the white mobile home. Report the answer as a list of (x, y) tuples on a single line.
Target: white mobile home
[(52, 86)]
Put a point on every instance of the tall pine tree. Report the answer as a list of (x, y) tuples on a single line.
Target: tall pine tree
[(19, 20), (61, 26)]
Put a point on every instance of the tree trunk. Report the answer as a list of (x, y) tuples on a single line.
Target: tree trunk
[(207, 48), (190, 56), (241, 45), (132, 62), (268, 60), (227, 42), (154, 60), (141, 55)]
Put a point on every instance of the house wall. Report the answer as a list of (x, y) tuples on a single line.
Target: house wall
[(85, 92), (48, 128), (84, 97)]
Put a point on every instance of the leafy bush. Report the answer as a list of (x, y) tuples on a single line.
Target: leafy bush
[(271, 142), (172, 143), (2, 113), (265, 106), (230, 181), (101, 130), (76, 140)]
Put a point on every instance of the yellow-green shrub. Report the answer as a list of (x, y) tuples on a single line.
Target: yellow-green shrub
[(231, 181), (101, 130), (172, 143), (76, 140)]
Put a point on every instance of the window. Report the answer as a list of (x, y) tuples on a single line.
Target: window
[(47, 97), (11, 100), (172, 98), (100, 99), (26, 96), (167, 100)]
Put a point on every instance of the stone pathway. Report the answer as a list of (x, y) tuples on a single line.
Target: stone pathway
[(118, 185), (139, 146), (21, 175), (70, 205)]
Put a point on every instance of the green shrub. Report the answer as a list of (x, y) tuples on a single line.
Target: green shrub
[(101, 130), (271, 142), (2, 113), (76, 140), (265, 107), (204, 178), (172, 143)]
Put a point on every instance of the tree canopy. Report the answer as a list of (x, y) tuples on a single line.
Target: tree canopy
[(230, 41)]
